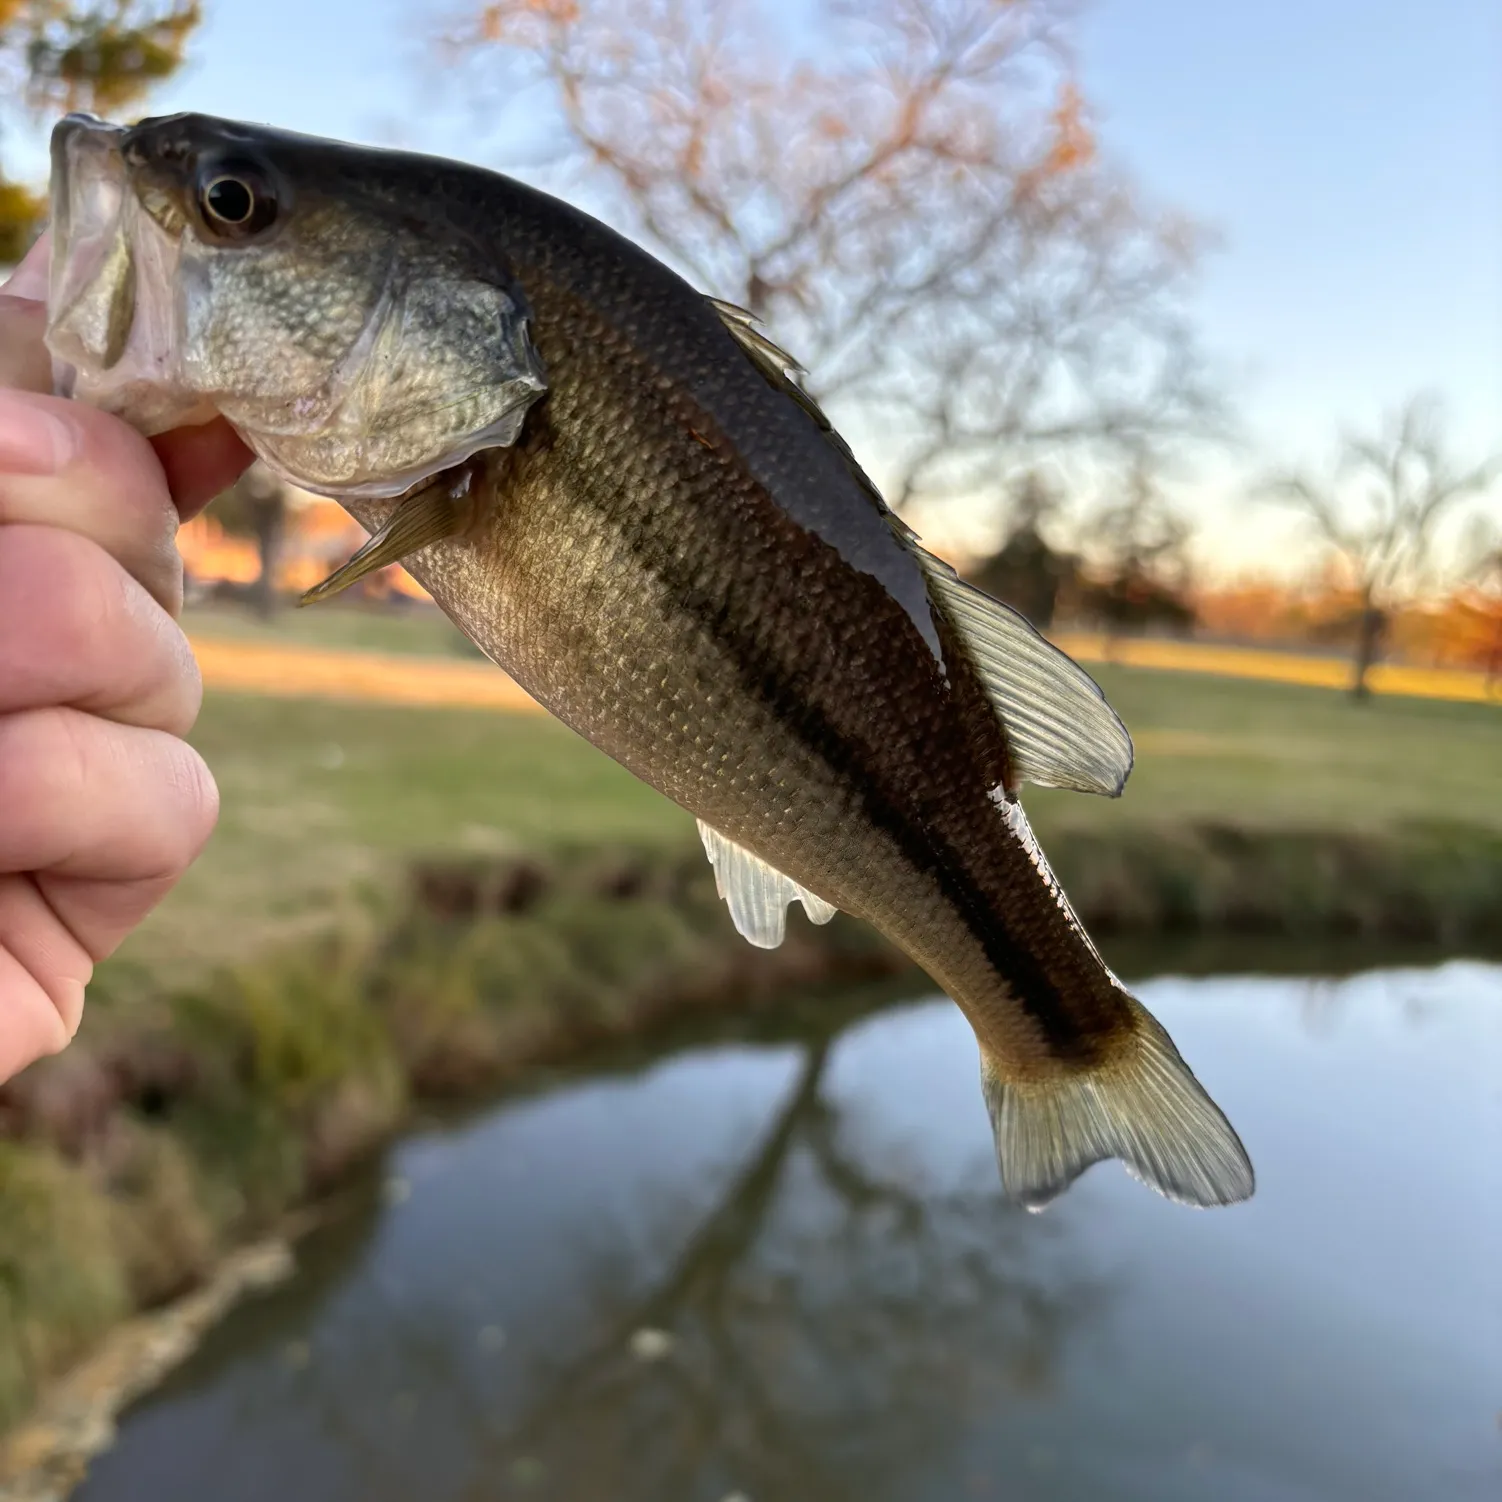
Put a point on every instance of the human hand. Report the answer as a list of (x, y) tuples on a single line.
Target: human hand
[(102, 804)]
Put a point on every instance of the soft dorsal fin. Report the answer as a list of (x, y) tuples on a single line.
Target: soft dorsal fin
[(757, 894), (1061, 732)]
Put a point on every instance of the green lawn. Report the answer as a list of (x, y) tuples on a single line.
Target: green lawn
[(416, 628), (1270, 754), (324, 803)]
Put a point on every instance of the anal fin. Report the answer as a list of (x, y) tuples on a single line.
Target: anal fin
[(757, 894), (1143, 1106)]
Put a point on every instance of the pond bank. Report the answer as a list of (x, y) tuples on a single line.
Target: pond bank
[(766, 1261), (175, 1131)]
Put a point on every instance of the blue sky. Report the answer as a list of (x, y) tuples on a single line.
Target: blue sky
[(1350, 154), (1347, 152)]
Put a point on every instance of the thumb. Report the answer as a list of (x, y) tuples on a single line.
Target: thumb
[(29, 279), (24, 360)]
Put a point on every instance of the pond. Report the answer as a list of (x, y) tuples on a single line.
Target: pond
[(783, 1272)]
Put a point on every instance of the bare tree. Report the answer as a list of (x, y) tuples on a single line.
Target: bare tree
[(913, 201), (255, 506), (1379, 510), (1484, 573), (1029, 572), (1139, 552)]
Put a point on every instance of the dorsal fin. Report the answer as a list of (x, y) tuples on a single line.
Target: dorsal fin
[(756, 894), (781, 371), (774, 362), (1060, 730)]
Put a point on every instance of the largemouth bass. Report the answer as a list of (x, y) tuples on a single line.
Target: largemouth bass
[(619, 489)]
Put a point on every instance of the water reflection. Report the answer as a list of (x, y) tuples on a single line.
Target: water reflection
[(785, 1272), (820, 1334)]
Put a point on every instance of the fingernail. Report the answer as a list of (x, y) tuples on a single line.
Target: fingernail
[(34, 438)]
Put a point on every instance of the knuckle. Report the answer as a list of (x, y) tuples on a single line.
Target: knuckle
[(123, 459), (187, 682), (115, 492)]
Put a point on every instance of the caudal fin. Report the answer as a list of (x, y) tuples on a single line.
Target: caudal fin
[(1143, 1106)]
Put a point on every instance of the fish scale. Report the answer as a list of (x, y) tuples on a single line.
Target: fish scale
[(619, 491), (561, 626)]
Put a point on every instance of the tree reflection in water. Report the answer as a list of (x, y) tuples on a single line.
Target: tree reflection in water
[(825, 1330)]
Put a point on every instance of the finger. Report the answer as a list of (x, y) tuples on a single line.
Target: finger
[(30, 277), (86, 798), (200, 463), (24, 360), (107, 816), (66, 465), (76, 629), (43, 973)]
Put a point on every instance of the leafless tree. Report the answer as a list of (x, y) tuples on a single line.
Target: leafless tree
[(255, 506), (1139, 552), (908, 192), (1029, 571), (1379, 509)]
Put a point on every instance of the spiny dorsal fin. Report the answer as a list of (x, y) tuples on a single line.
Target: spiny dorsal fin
[(1061, 732), (775, 363), (781, 371), (757, 894)]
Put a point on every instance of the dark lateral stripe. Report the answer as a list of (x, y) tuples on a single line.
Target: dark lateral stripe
[(770, 680)]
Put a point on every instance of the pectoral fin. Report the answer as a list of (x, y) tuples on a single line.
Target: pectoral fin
[(757, 894), (436, 512)]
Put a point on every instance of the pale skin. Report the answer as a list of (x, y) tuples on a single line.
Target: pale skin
[(103, 805)]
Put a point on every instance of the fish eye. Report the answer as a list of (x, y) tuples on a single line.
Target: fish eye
[(236, 201), (229, 200)]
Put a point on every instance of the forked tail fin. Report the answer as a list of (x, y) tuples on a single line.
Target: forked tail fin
[(1143, 1106)]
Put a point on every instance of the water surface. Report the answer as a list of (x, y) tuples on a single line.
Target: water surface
[(784, 1273)]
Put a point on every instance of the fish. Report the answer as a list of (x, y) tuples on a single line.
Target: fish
[(621, 490)]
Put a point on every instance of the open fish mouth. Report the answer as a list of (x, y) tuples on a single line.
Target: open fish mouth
[(356, 355), (113, 312)]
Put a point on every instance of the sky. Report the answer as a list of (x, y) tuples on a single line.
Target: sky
[(1347, 154)]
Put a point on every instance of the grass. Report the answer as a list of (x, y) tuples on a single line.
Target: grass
[(418, 628), (1268, 755), (325, 804)]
